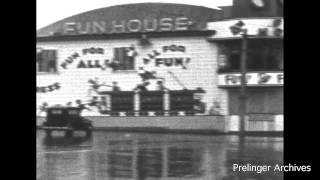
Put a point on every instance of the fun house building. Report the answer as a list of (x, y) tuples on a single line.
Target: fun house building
[(166, 65)]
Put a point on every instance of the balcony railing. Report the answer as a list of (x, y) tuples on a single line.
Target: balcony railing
[(159, 102)]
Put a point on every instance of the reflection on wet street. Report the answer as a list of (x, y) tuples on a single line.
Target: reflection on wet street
[(141, 156)]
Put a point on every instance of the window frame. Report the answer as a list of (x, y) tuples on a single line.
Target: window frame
[(133, 70), (56, 71), (226, 48)]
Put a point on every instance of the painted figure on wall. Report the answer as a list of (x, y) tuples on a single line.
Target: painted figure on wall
[(124, 58), (142, 86), (95, 85), (131, 54), (147, 75), (161, 86)]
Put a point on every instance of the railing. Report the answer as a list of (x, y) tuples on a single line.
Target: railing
[(157, 102)]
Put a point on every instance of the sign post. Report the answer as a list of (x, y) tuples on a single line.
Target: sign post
[(235, 30), (243, 81)]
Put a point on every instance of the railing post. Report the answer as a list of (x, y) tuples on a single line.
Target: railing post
[(166, 102), (136, 103), (108, 102)]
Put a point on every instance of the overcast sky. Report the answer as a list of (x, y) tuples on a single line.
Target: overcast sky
[(50, 11)]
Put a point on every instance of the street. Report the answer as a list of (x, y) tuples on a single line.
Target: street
[(115, 155)]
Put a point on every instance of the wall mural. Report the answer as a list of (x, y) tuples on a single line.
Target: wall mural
[(49, 88), (124, 59)]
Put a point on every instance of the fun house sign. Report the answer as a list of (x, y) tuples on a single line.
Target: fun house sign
[(127, 26), (253, 79)]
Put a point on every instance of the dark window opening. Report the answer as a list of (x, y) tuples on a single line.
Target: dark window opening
[(47, 61), (151, 101), (122, 102), (262, 55), (181, 101), (259, 101), (124, 58)]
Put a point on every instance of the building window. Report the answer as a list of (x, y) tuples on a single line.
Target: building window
[(122, 101), (124, 58), (151, 101), (262, 55), (46, 61), (259, 101)]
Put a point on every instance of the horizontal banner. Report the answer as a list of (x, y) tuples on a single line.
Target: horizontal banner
[(269, 27), (252, 79)]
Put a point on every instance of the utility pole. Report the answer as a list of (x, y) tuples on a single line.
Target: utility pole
[(243, 66), (235, 30)]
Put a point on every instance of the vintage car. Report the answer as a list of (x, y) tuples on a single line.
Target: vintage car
[(66, 119)]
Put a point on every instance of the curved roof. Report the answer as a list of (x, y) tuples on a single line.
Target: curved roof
[(197, 14)]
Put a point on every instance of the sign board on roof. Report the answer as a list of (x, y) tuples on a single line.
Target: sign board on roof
[(125, 26), (129, 18), (258, 27)]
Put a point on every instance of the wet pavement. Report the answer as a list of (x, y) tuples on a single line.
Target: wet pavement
[(142, 156)]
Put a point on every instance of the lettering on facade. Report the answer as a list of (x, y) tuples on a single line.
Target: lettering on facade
[(92, 50), (84, 64), (265, 27), (69, 60), (168, 61), (121, 54), (265, 31), (275, 29), (122, 26), (172, 62), (280, 78), (90, 64), (174, 48), (235, 79), (251, 79), (263, 78)]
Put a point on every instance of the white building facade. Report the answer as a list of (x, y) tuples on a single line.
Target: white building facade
[(185, 50)]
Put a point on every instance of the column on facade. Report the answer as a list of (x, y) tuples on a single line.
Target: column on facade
[(166, 102), (136, 103)]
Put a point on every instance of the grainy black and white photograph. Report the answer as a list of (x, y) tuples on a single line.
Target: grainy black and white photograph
[(160, 90)]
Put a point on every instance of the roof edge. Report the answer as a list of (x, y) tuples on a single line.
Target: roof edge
[(136, 35)]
